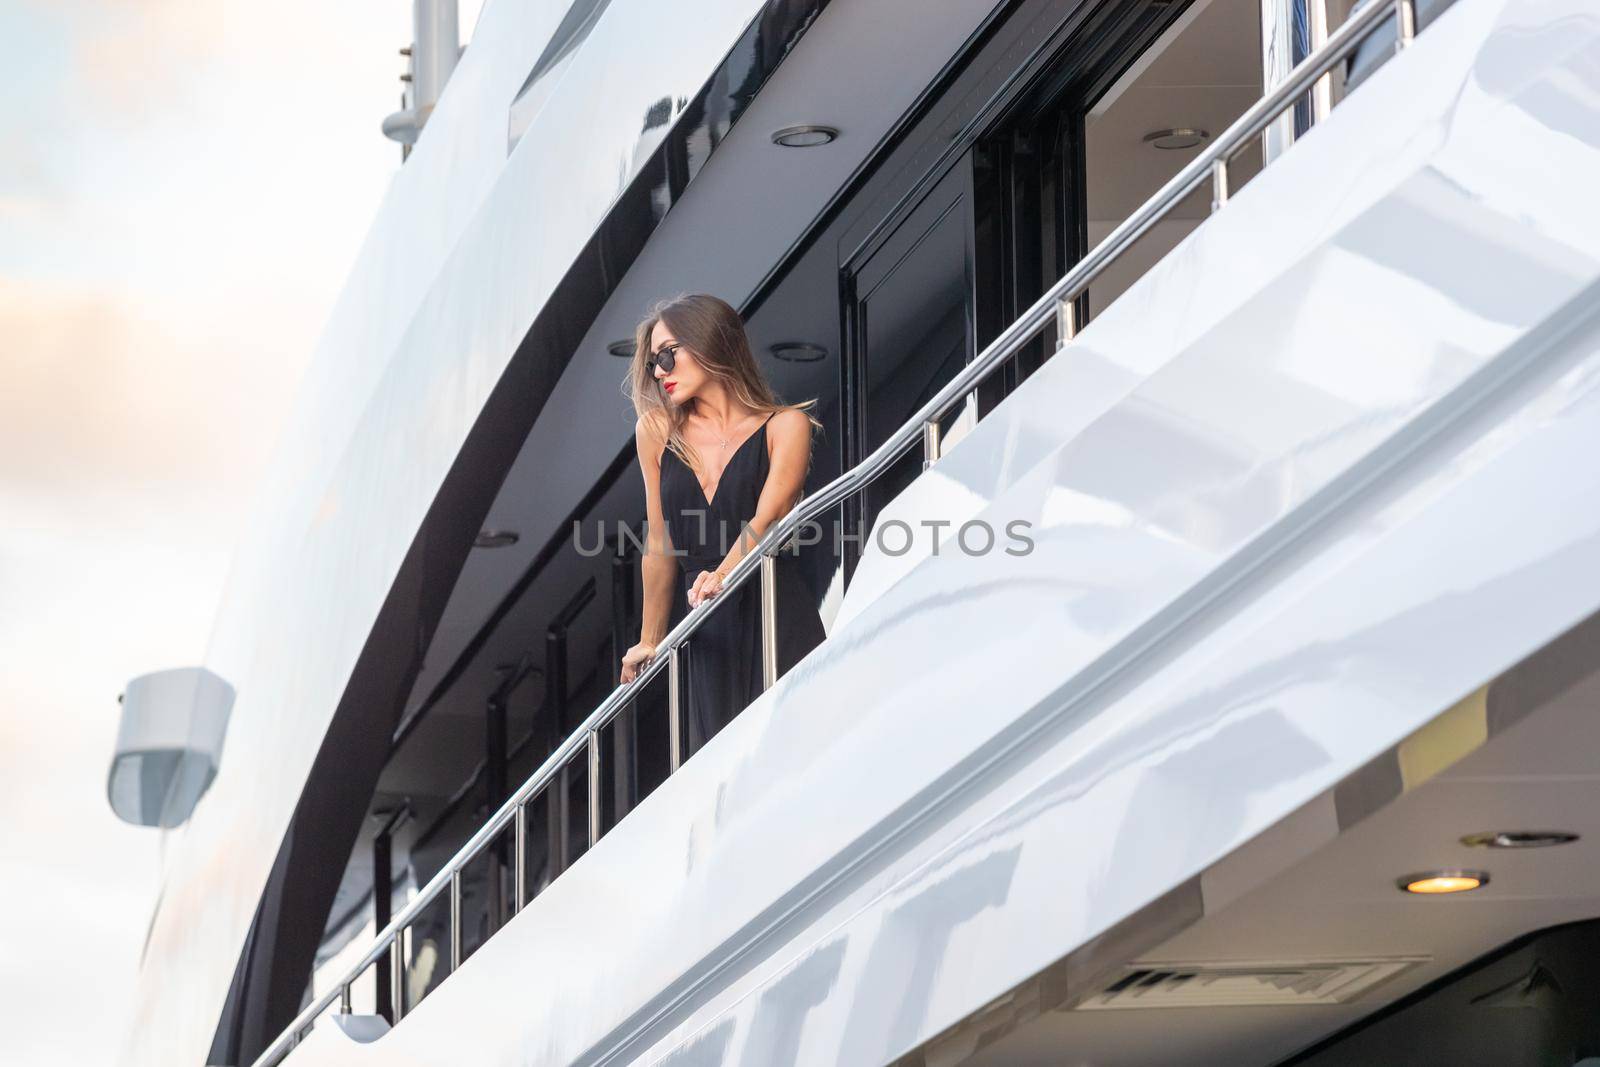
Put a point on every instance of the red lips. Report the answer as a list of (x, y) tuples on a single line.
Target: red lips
[(669, 386)]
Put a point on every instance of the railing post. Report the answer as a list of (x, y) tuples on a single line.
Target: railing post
[(1278, 31), (397, 974), (1066, 321), (674, 713), (1322, 91), (594, 787), (521, 850), (1219, 185), (455, 920), (558, 824), (344, 999), (930, 443), (769, 620), (1405, 16)]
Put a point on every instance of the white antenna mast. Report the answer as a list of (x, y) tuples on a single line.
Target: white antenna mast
[(435, 47)]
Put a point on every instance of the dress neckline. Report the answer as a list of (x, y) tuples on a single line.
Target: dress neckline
[(716, 490)]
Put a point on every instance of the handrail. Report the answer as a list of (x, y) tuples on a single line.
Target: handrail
[(1056, 304)]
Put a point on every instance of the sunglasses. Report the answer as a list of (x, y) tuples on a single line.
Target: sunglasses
[(666, 359)]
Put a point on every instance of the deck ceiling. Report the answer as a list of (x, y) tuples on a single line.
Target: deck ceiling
[(1341, 903)]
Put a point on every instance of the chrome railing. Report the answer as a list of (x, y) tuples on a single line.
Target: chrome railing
[(1055, 306)]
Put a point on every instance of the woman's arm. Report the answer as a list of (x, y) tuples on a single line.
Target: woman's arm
[(658, 567), (789, 451)]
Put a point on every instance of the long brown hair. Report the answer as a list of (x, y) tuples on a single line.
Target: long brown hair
[(712, 330)]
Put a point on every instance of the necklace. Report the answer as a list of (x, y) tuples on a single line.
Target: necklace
[(722, 441)]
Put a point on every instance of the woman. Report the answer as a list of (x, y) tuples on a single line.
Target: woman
[(722, 461)]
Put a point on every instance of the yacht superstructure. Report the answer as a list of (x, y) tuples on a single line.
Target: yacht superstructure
[(1201, 517)]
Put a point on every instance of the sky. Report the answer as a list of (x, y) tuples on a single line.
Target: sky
[(183, 185)]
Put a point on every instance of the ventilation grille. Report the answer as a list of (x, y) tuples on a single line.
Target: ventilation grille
[(1221, 985)]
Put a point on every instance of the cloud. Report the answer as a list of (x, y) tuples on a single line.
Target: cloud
[(132, 57), (97, 395), (18, 210)]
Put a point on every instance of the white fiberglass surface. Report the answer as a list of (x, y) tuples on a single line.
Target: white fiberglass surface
[(1337, 497)]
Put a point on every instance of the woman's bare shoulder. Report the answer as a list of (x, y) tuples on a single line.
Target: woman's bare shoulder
[(790, 423), (650, 434), (651, 426)]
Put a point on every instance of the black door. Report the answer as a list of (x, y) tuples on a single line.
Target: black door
[(1031, 177), (910, 328), (1002, 224), (1028, 180)]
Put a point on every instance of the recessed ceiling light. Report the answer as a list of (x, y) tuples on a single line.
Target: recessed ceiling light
[(1519, 839), (621, 349), (495, 539), (1177, 137), (804, 136), (798, 351), (1438, 883)]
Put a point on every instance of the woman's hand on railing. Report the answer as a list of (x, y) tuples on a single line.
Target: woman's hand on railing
[(635, 660), (707, 585)]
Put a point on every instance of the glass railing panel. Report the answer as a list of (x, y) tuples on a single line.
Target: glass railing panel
[(488, 891), (426, 950)]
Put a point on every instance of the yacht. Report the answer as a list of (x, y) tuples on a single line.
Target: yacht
[(1205, 521)]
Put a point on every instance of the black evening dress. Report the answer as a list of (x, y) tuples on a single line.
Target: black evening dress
[(723, 664)]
